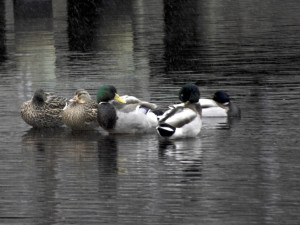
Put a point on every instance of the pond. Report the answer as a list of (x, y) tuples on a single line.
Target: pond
[(240, 171)]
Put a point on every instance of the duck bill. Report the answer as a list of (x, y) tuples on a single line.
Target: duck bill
[(73, 99), (119, 99)]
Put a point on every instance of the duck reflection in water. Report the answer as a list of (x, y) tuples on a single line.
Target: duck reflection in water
[(81, 144), (43, 139), (108, 155), (76, 143), (187, 151), (40, 171), (108, 167)]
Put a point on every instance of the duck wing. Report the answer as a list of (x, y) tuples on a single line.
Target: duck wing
[(131, 104), (134, 100), (211, 108), (176, 105), (55, 102), (91, 109), (207, 103), (178, 117)]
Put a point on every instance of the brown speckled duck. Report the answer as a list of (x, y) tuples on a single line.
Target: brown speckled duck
[(43, 110), (81, 113)]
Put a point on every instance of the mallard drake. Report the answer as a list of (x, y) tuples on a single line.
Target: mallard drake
[(125, 114), (43, 110), (184, 120), (219, 106), (81, 112)]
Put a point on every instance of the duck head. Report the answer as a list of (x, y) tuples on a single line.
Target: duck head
[(222, 98), (81, 96), (39, 97), (189, 93), (107, 93)]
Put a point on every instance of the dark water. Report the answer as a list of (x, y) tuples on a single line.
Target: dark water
[(235, 172)]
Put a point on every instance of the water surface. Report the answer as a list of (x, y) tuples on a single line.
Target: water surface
[(235, 172)]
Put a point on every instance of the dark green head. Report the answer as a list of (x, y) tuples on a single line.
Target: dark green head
[(39, 97), (221, 97), (189, 93), (107, 93)]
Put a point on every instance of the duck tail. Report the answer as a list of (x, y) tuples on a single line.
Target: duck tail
[(165, 130)]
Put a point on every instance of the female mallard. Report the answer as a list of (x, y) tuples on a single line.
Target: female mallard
[(184, 120), (43, 110), (125, 114), (219, 106), (81, 113)]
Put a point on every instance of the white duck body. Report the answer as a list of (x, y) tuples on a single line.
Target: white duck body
[(186, 120), (132, 103), (135, 116), (211, 108), (136, 121), (124, 114)]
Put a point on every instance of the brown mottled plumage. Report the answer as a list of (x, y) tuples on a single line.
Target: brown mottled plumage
[(43, 110), (81, 113)]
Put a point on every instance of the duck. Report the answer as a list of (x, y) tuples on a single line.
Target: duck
[(124, 114), (219, 106), (81, 112), (43, 110), (184, 120)]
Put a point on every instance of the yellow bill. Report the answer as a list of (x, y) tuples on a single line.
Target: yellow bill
[(119, 99)]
